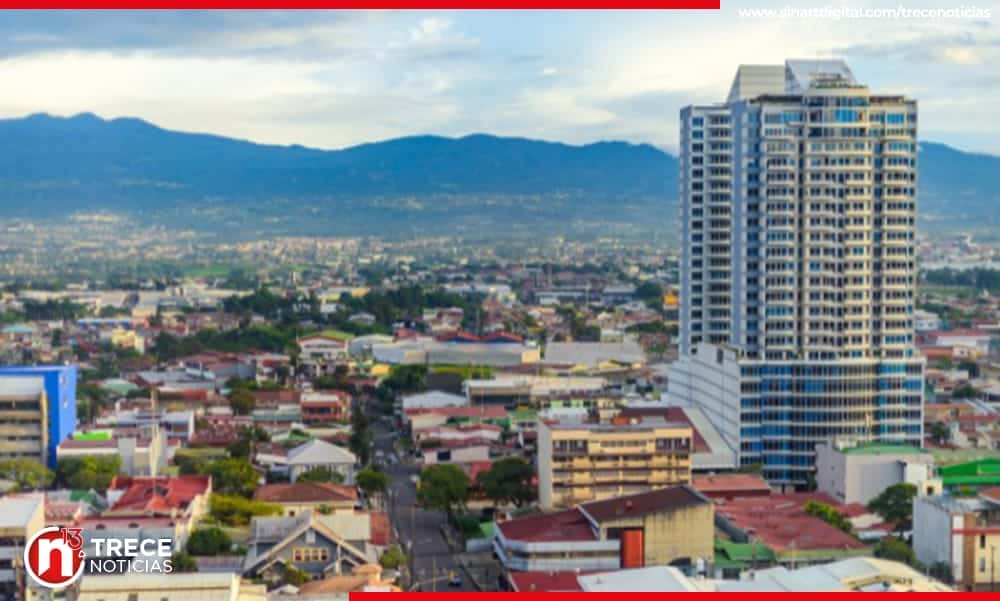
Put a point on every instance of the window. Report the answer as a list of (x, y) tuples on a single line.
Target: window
[(310, 554)]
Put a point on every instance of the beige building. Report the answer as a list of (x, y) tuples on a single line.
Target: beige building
[(660, 527), (24, 410), (961, 534), (588, 462), (222, 586), (20, 518)]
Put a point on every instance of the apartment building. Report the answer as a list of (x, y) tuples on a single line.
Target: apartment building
[(37, 411), (587, 462), (962, 533), (798, 270), (20, 518)]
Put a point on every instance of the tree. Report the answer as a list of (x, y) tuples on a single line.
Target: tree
[(444, 487), (361, 437), (372, 482), (246, 443), (964, 391), (233, 476), (242, 401), (829, 515), (237, 511), (895, 505), (940, 433), (182, 562), (295, 576), (508, 481), (88, 472), (321, 473), (28, 474), (970, 366), (209, 542), (392, 558), (895, 549), (942, 571)]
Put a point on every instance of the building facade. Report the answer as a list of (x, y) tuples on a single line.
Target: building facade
[(798, 200), (588, 462), (860, 473), (962, 533), (37, 411)]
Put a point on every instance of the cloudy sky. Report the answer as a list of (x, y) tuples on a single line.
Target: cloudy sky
[(332, 79)]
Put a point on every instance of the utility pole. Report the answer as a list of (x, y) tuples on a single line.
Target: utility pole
[(993, 565)]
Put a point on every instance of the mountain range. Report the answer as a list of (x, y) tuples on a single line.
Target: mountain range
[(56, 164)]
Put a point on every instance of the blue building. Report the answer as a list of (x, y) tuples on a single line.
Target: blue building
[(57, 414)]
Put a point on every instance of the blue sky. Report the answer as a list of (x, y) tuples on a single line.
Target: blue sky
[(332, 79)]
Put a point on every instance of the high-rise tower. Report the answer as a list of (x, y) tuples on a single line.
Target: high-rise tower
[(798, 199)]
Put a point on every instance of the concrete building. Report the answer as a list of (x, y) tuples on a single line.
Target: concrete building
[(37, 411), (587, 462), (219, 586), (962, 533), (143, 452), (666, 526), (798, 200), (313, 454), (858, 474), (20, 518)]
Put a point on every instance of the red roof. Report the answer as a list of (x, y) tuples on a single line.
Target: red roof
[(562, 526), (477, 467), (542, 582), (380, 532), (991, 494), (305, 492), (963, 332), (486, 412), (663, 499), (780, 522), (158, 495), (670, 414), (731, 485)]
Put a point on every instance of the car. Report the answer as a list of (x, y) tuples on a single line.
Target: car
[(454, 579)]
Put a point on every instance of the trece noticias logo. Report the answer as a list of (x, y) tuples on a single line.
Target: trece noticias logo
[(54, 557)]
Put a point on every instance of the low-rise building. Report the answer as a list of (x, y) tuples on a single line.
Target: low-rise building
[(312, 454), (299, 497), (666, 526), (586, 462), (962, 534), (325, 408), (37, 411), (20, 518), (858, 474), (144, 452), (177, 586)]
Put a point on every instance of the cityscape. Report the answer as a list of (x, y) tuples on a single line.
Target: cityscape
[(760, 356)]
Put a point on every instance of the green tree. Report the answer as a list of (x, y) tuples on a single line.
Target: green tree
[(209, 542), (970, 366), (295, 576), (320, 473), (895, 505), (236, 511), (371, 481), (245, 445), (829, 515), (895, 549), (940, 433), (87, 473), (233, 476), (508, 481), (28, 474), (443, 487), (392, 558), (183, 562), (361, 437), (242, 401), (942, 571)]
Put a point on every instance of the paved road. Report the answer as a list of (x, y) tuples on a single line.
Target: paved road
[(431, 560)]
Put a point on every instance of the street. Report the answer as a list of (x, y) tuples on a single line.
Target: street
[(431, 560)]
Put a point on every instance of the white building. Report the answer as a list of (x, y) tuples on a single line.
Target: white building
[(433, 399), (313, 454), (925, 321), (858, 474), (20, 518), (798, 199)]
